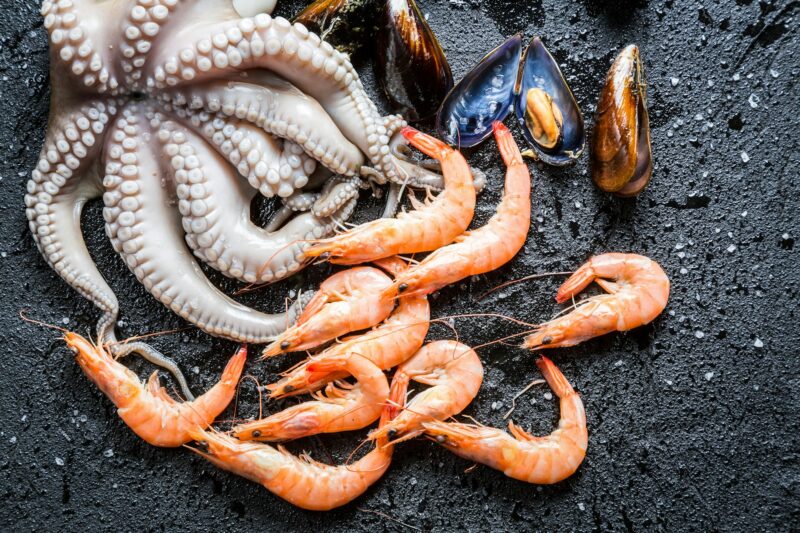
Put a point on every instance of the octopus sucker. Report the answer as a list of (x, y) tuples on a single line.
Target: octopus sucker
[(149, 237)]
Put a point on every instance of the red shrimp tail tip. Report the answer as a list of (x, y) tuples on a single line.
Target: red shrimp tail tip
[(317, 370), (426, 144), (506, 144), (579, 280), (233, 370), (555, 379)]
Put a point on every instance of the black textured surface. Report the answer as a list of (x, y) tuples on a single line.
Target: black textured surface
[(693, 419)]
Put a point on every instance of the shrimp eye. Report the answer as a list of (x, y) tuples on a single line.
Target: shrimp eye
[(392, 433), (285, 344), (547, 340), (402, 287), (288, 388), (256, 434)]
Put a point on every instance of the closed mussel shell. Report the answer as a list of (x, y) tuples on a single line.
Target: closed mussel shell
[(411, 65), (546, 110), (621, 155), (484, 95)]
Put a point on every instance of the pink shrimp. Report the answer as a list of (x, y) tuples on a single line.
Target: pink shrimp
[(147, 409), (342, 407), (486, 248), (637, 295), (396, 339), (299, 480), (349, 300), (426, 228), (454, 373), (522, 456)]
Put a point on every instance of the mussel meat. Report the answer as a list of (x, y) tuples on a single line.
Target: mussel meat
[(484, 95), (621, 155), (546, 110), (346, 24), (411, 65)]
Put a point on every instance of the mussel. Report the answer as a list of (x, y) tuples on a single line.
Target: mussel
[(621, 157), (546, 110), (411, 65), (346, 24), (484, 95)]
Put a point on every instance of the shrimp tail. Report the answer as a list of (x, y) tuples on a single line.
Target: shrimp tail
[(578, 281), (317, 370), (506, 144), (555, 379), (425, 143)]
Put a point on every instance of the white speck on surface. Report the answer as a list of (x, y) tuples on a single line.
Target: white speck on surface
[(681, 255), (548, 395), (108, 453), (577, 204), (736, 77), (668, 382), (3, 254), (618, 362), (13, 440), (699, 334), (674, 81), (680, 246), (744, 213), (745, 157), (709, 375), (581, 506), (496, 406), (732, 248), (753, 100), (698, 116), (756, 387), (65, 320), (24, 418), (774, 73), (758, 343), (196, 369), (412, 481), (59, 461), (684, 271)]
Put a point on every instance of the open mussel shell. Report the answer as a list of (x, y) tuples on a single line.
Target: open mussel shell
[(621, 156), (346, 24), (484, 95), (547, 112), (411, 65)]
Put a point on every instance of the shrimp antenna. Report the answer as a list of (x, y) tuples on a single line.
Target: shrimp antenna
[(26, 318), (526, 278), (388, 517), (520, 393)]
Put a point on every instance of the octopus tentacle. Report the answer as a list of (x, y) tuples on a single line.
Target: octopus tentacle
[(140, 27), (147, 233), (80, 43), (62, 182), (272, 166), (221, 233), (279, 108), (337, 192), (292, 52)]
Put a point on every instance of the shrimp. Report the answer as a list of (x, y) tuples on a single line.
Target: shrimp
[(522, 456), (637, 295), (428, 227), (299, 480), (386, 345), (454, 373), (486, 248), (147, 409), (349, 300), (344, 407)]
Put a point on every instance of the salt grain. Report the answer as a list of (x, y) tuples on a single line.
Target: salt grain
[(732, 248), (674, 81), (745, 157), (580, 505), (709, 375), (699, 334), (758, 343), (548, 395), (59, 461), (753, 101), (108, 453)]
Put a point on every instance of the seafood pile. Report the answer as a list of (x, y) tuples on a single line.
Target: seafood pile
[(204, 106)]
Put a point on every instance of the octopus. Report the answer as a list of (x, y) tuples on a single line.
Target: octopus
[(177, 113)]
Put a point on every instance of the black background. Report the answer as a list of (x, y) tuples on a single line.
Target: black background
[(693, 419)]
